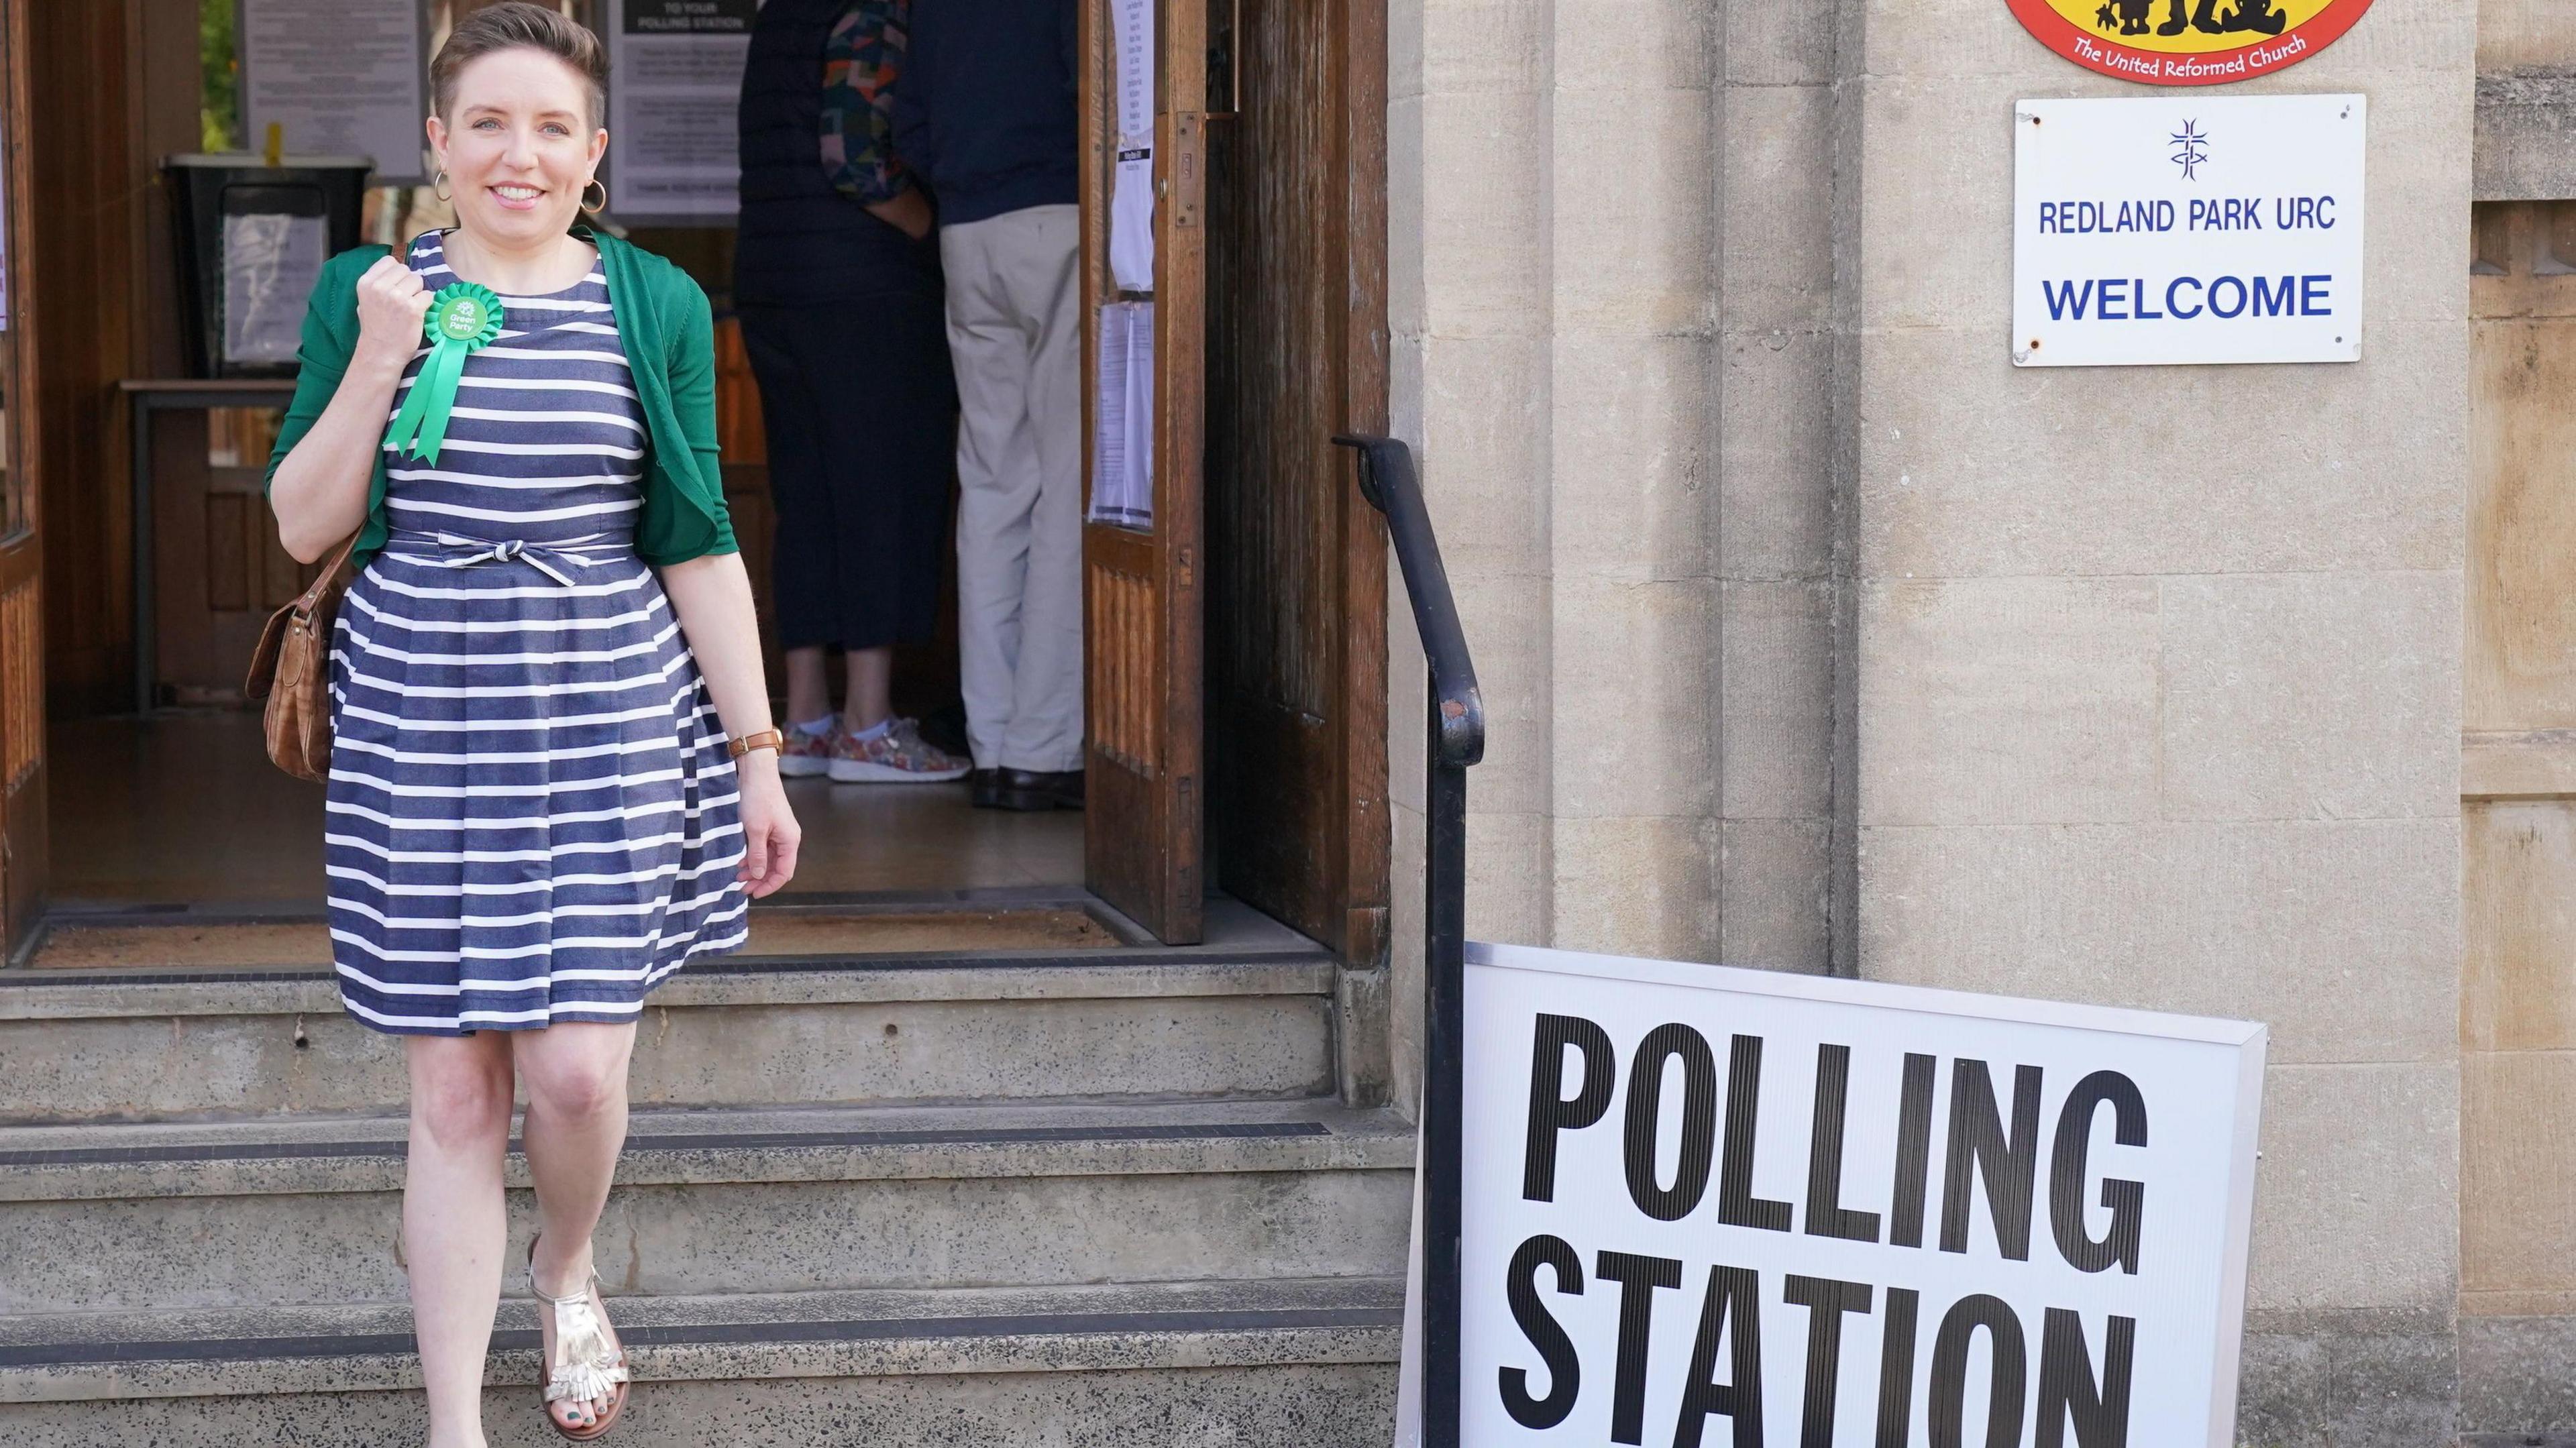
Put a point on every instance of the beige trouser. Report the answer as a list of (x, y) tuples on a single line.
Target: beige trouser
[(1015, 330)]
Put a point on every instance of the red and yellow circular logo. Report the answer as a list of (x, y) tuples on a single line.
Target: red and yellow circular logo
[(2187, 42)]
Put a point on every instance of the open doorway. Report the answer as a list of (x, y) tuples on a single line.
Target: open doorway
[(1235, 684)]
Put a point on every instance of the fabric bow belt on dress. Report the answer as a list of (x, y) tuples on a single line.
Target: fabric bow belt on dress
[(554, 560)]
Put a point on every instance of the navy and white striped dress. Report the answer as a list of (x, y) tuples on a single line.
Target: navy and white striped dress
[(533, 817)]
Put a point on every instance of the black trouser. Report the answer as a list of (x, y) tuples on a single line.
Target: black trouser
[(861, 414)]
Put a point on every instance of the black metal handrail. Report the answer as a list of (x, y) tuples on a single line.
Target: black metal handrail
[(1456, 740), (1388, 481)]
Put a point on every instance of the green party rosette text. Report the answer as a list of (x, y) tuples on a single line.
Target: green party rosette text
[(463, 318)]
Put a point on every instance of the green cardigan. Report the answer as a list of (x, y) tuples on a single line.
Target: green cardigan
[(669, 332)]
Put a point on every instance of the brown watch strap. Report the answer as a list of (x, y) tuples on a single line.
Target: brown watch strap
[(769, 739)]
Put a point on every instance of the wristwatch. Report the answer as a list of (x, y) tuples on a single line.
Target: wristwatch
[(769, 739)]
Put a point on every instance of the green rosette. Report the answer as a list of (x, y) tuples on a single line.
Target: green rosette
[(463, 319)]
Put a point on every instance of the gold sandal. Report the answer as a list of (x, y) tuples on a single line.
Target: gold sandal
[(585, 1364)]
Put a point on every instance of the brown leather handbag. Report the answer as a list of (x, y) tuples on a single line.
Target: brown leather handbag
[(291, 669)]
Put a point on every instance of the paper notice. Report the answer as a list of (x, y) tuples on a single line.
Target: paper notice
[(270, 264), (1122, 469), (1132, 53), (338, 77), (1131, 221), (1131, 187), (674, 94), (1109, 417)]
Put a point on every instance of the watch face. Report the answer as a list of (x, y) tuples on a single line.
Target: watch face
[(2187, 42)]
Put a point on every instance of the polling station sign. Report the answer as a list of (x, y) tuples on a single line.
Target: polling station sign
[(1731, 1208), (2188, 228)]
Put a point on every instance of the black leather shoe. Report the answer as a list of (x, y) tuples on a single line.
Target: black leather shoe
[(984, 789), (1031, 789)]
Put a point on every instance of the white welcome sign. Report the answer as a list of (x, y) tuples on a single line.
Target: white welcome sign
[(2185, 227), (1705, 1206)]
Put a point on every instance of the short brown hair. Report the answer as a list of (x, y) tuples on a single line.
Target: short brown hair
[(515, 25)]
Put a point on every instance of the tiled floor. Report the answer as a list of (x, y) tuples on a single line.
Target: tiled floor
[(185, 807)]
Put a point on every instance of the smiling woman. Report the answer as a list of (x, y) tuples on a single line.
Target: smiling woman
[(553, 780)]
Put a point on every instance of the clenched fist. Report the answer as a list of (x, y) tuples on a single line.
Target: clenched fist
[(391, 304)]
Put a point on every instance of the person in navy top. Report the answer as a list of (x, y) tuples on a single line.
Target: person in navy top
[(837, 284), (985, 112)]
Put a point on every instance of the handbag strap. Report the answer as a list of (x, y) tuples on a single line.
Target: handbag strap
[(330, 571)]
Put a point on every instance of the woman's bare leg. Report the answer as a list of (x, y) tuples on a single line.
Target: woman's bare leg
[(809, 693), (453, 1219), (576, 1079), (869, 701)]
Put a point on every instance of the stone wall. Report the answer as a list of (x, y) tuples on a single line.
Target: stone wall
[(2159, 678), (2525, 35), (2526, 148), (2147, 682)]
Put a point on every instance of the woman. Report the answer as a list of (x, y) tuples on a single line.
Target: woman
[(535, 814), (838, 287)]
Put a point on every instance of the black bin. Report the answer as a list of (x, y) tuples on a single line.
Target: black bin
[(251, 240)]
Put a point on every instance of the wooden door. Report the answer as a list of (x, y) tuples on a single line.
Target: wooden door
[(218, 569), (22, 634), (1296, 562), (80, 220), (1143, 629)]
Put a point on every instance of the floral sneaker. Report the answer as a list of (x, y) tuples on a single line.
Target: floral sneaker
[(898, 756), (805, 755)]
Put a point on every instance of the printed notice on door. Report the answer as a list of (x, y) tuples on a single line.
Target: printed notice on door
[(270, 264), (2188, 228), (675, 83), (339, 77)]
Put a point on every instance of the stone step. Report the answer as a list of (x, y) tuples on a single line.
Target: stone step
[(299, 1210), (1280, 1364), (1231, 1019)]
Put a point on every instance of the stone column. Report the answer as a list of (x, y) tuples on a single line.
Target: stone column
[(1551, 217), (1777, 559), (1611, 258)]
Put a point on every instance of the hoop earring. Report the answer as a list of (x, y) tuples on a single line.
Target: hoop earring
[(586, 205), (436, 182)]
